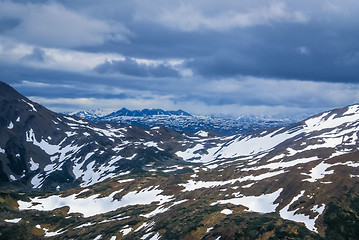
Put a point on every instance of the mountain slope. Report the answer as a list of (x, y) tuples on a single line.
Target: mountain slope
[(308, 167), (42, 149), (124, 182)]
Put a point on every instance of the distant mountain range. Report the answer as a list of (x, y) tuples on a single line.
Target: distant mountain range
[(184, 122), (145, 113)]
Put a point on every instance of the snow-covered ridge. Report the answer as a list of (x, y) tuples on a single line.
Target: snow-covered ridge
[(326, 130)]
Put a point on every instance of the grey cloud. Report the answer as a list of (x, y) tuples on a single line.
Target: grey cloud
[(132, 68), (185, 16), (273, 52), (7, 24), (51, 24), (38, 56), (320, 51)]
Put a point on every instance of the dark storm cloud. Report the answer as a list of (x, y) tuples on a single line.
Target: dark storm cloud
[(206, 53), (8, 24), (158, 42), (49, 83), (285, 52), (315, 52), (132, 68), (263, 42)]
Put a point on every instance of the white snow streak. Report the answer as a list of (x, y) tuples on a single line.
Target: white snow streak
[(15, 220), (31, 105)]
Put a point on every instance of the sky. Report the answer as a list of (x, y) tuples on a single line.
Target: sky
[(231, 57)]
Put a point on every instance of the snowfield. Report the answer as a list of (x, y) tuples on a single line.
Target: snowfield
[(94, 205)]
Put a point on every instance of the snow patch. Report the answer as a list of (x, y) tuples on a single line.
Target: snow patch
[(192, 185), (155, 237), (244, 146), (263, 203), (10, 126), (351, 110), (48, 148), (126, 230), (248, 185), (125, 180), (15, 220), (52, 234), (202, 133), (70, 134), (227, 211), (162, 209), (85, 225), (323, 121), (276, 157), (36, 181), (297, 217), (281, 164), (94, 205), (318, 172), (33, 165)]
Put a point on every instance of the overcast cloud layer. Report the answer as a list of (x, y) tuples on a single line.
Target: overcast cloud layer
[(205, 57)]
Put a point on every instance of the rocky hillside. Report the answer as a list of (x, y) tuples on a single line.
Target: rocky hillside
[(102, 181), (43, 149)]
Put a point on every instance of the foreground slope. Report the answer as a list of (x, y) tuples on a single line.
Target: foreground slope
[(297, 182)]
